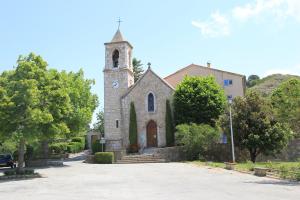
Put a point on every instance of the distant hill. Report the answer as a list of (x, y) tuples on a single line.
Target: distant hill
[(266, 85)]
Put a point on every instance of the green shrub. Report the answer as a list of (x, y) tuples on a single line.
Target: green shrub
[(297, 175), (9, 172), (79, 140), (169, 125), (196, 139), (132, 126), (58, 148), (97, 147), (29, 171), (74, 147), (104, 157)]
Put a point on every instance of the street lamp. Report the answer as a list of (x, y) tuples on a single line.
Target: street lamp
[(231, 131)]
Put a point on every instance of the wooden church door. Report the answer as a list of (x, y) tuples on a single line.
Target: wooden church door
[(151, 134)]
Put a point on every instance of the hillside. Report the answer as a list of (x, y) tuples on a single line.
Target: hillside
[(266, 85)]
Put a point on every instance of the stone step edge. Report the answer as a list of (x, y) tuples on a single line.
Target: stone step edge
[(142, 159), (122, 162)]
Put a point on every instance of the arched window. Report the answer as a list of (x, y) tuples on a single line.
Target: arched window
[(150, 102), (115, 59)]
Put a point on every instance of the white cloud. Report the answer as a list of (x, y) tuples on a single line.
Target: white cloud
[(281, 9), (293, 9), (217, 26), (292, 70)]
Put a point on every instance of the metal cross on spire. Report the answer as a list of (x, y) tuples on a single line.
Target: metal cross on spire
[(119, 23)]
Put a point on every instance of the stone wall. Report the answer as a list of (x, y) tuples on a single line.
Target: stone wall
[(291, 153), (171, 154), (222, 153)]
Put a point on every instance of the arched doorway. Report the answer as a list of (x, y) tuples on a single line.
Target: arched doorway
[(151, 134)]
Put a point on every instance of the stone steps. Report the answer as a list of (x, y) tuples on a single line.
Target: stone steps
[(143, 158)]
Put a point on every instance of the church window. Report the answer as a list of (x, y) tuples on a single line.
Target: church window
[(117, 123), (150, 102), (115, 58)]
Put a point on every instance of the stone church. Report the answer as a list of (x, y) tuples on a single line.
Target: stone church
[(149, 95)]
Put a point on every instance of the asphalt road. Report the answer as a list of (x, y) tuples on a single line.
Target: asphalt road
[(156, 181)]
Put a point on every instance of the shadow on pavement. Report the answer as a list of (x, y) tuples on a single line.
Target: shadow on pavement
[(276, 182)]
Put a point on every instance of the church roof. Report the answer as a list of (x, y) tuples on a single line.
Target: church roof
[(118, 37), (149, 70)]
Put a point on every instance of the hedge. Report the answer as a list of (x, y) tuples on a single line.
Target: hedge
[(97, 147), (58, 148), (74, 147), (80, 140), (104, 157)]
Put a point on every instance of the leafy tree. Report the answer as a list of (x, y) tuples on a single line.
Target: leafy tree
[(137, 69), (83, 102), (198, 100), (286, 101), (133, 128), (36, 103), (196, 138), (99, 125), (252, 80), (255, 128), (169, 125), (8, 146), (21, 107), (55, 100)]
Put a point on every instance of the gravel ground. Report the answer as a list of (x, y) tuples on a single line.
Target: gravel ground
[(77, 180)]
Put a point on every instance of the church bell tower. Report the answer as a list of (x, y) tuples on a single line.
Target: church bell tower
[(118, 77)]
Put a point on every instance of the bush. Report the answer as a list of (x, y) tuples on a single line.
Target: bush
[(104, 157), (9, 173), (29, 171), (74, 147), (97, 147), (196, 139), (79, 140), (58, 148)]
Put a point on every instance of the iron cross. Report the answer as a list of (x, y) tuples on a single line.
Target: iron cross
[(119, 23)]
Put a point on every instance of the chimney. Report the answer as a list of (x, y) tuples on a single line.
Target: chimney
[(208, 64)]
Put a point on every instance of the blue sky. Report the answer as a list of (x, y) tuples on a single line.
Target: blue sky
[(247, 36)]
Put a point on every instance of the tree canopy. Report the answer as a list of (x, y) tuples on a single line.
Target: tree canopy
[(99, 125), (38, 103), (286, 101), (255, 127), (252, 80), (137, 69), (198, 100)]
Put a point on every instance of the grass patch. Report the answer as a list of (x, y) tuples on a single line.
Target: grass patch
[(285, 170)]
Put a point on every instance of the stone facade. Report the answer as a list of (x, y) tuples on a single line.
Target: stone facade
[(149, 83), (117, 79)]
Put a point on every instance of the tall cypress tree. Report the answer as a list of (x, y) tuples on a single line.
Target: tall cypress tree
[(132, 126), (169, 125)]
